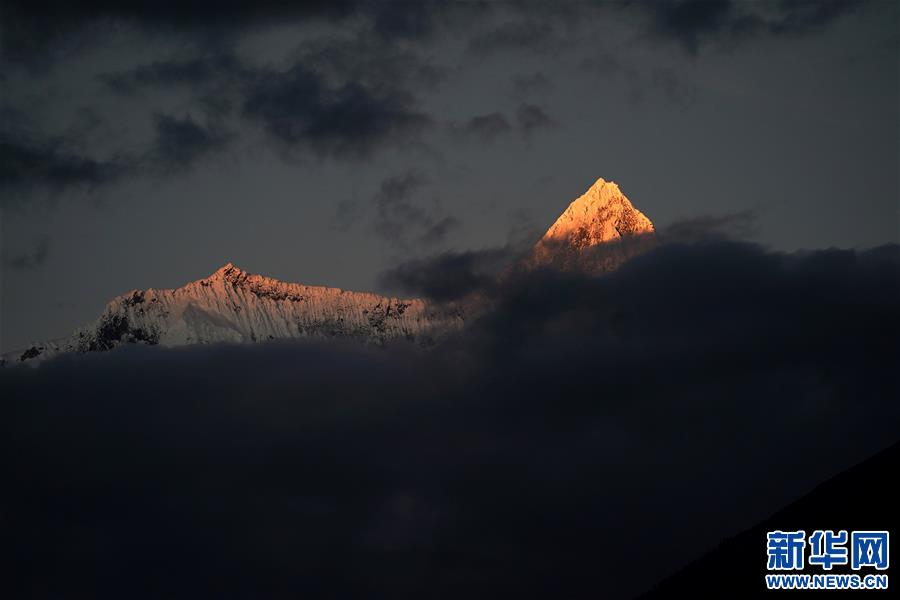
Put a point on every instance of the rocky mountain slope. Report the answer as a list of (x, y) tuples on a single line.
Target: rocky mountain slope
[(598, 231)]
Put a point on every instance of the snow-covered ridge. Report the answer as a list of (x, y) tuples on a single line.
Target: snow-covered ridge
[(232, 305), (597, 232)]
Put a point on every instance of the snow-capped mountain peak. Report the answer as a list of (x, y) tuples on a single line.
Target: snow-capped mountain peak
[(232, 305), (224, 270), (602, 214), (597, 232)]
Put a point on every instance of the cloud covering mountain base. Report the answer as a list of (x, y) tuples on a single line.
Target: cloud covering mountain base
[(586, 437)]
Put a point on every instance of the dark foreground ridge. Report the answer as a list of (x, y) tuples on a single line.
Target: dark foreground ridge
[(864, 497)]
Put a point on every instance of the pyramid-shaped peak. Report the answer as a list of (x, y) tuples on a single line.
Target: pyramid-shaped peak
[(228, 269), (601, 183), (601, 214), (603, 190), (598, 218)]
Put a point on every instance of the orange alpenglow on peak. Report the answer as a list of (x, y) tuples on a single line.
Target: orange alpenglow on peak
[(602, 217), (227, 267), (601, 214), (228, 272)]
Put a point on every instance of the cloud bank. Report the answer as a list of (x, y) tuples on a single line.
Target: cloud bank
[(586, 429)]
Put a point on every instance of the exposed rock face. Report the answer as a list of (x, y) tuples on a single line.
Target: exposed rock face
[(234, 306), (597, 232)]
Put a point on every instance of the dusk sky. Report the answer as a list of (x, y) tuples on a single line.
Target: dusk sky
[(326, 142)]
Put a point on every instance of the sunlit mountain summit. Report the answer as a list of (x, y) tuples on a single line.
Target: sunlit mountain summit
[(598, 231)]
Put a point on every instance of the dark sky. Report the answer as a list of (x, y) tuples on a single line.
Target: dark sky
[(325, 142)]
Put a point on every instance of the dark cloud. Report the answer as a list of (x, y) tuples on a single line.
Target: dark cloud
[(736, 226), (695, 23), (803, 16), (34, 33), (31, 164), (180, 142), (587, 429), (32, 167), (31, 259), (404, 19), (362, 59), (602, 63), (38, 33), (673, 87), (514, 36), (341, 98), (690, 20), (395, 193), (531, 117), (642, 85), (491, 126), (189, 72), (525, 84), (437, 231), (484, 127), (402, 214), (346, 214), (370, 61), (449, 276), (522, 232), (300, 110)]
